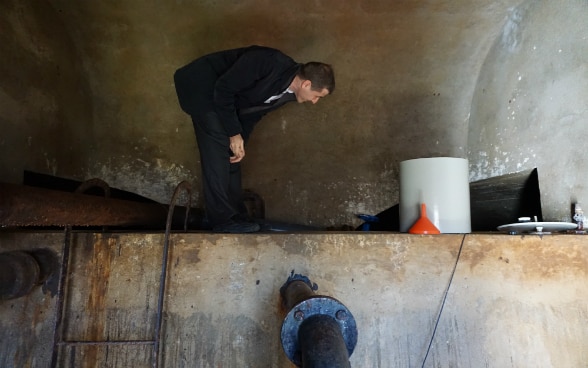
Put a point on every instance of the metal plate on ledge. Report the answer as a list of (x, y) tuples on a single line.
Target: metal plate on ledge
[(522, 227)]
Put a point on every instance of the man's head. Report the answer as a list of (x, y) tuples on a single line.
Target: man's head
[(314, 81)]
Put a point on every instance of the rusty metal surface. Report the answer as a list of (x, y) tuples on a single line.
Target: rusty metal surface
[(322, 344), (294, 292), (59, 345), (95, 310), (31, 206)]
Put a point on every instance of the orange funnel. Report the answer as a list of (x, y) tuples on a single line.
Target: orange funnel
[(423, 225)]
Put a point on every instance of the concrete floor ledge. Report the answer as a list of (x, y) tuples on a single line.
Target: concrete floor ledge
[(452, 300)]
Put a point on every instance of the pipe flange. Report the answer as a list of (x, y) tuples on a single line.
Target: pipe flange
[(317, 305)]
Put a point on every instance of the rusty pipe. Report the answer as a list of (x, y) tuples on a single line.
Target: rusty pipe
[(318, 331), (19, 273)]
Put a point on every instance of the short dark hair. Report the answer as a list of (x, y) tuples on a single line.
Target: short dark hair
[(321, 76)]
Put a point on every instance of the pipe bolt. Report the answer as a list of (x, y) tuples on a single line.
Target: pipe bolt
[(341, 315), (299, 315)]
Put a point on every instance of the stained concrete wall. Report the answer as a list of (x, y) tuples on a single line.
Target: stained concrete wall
[(87, 92), (45, 102), (529, 107), (483, 300)]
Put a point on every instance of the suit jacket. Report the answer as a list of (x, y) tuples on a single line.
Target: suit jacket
[(234, 81)]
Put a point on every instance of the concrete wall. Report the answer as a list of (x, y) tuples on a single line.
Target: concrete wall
[(87, 92), (529, 107), (45, 102), (483, 300)]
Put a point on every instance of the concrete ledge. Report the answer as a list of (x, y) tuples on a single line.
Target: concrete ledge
[(489, 300)]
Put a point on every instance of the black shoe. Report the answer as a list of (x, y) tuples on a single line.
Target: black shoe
[(236, 227)]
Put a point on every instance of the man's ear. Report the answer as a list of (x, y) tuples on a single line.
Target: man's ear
[(307, 84)]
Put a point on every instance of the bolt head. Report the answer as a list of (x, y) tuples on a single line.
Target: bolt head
[(341, 315), (299, 315)]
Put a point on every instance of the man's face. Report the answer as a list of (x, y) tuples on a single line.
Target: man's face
[(307, 94)]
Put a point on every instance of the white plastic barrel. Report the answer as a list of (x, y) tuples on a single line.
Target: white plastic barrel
[(442, 183)]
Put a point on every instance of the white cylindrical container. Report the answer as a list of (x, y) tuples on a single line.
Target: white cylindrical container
[(442, 183)]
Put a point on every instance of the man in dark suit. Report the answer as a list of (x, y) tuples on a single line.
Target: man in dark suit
[(226, 93)]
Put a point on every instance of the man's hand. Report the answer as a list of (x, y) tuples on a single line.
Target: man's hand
[(237, 147)]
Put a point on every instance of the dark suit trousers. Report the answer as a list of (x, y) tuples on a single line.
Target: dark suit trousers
[(223, 194)]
